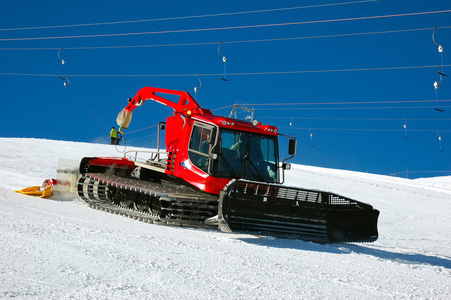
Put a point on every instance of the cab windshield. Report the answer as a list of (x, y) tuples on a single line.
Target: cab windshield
[(245, 155)]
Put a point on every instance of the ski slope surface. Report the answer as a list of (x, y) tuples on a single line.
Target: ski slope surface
[(59, 248)]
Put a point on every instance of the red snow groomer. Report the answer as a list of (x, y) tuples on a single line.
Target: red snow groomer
[(222, 172)]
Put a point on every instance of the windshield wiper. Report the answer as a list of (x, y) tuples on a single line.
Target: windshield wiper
[(229, 167), (254, 167)]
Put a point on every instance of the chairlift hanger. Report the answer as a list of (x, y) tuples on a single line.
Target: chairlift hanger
[(440, 47), (439, 141), (63, 77), (196, 89), (311, 138), (62, 60), (436, 85), (224, 59), (440, 72)]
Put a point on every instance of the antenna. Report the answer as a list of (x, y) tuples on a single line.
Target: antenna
[(249, 110)]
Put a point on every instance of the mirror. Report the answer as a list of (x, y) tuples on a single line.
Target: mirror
[(292, 147)]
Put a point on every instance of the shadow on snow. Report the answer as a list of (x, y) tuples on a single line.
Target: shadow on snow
[(404, 258)]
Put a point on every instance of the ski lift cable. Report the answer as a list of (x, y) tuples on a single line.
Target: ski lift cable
[(187, 17), (142, 137), (140, 129), (221, 108), (137, 130), (224, 28), (229, 42), (278, 104), (107, 138), (364, 129), (231, 74), (351, 108), (345, 103), (351, 119), (319, 106)]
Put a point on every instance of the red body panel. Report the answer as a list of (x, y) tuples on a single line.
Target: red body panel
[(178, 132), (185, 102), (116, 162)]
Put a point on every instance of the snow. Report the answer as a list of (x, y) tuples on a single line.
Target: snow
[(59, 248)]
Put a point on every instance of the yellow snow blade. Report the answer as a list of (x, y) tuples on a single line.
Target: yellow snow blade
[(33, 190), (36, 191), (47, 192)]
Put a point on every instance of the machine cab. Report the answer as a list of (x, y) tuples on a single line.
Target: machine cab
[(234, 153)]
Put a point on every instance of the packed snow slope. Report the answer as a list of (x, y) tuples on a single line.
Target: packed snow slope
[(59, 248)]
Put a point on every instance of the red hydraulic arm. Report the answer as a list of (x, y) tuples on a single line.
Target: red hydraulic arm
[(185, 103)]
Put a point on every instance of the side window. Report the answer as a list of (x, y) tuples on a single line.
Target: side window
[(200, 139), (205, 140), (268, 148), (199, 146), (195, 138)]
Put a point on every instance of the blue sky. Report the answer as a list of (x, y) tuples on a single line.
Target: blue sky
[(344, 77)]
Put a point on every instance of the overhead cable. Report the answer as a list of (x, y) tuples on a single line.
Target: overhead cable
[(98, 140), (185, 17), (350, 119), (349, 108), (343, 103), (361, 129), (230, 74), (223, 28), (229, 42)]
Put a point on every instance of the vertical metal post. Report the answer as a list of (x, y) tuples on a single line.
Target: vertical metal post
[(160, 127)]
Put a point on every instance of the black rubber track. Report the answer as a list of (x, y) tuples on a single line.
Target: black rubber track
[(163, 203)]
